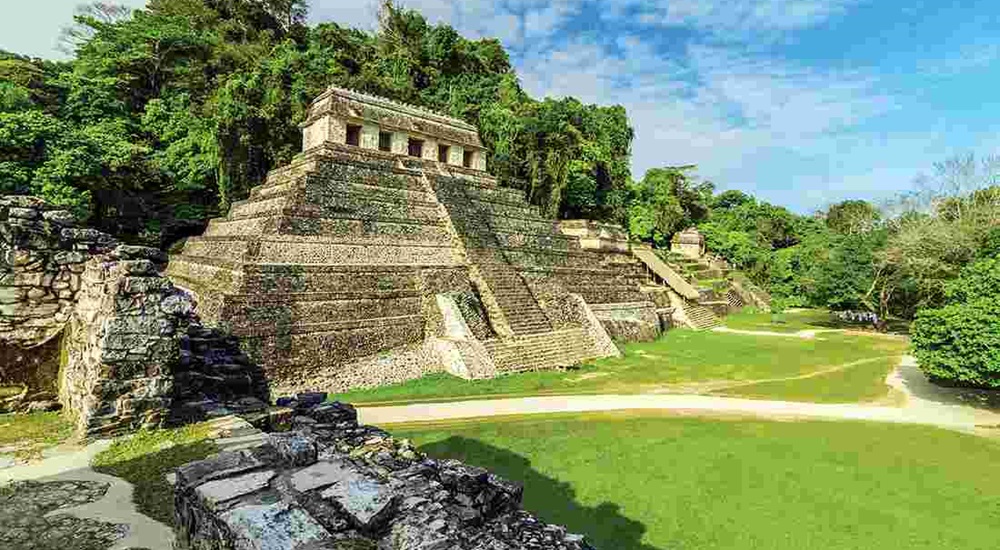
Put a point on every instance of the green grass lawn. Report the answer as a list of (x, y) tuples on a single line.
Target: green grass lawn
[(144, 458), (800, 319), (680, 357), (861, 382), (26, 435), (653, 482), (790, 321)]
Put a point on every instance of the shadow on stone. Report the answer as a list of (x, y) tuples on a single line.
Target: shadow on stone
[(551, 500)]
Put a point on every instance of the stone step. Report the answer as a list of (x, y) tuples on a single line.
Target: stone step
[(251, 208), (409, 323), (544, 350), (318, 185), (482, 186), (360, 211), (513, 197)]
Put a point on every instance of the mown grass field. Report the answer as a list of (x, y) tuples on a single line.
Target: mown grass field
[(655, 482), (685, 357), (860, 382)]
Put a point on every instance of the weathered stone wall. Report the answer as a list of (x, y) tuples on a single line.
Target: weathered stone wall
[(630, 322), (330, 483), (93, 320), (43, 255)]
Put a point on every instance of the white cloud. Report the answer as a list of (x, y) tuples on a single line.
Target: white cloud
[(742, 17), (721, 104)]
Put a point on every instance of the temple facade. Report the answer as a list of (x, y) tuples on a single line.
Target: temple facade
[(369, 122)]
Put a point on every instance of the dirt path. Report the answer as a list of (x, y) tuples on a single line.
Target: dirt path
[(920, 407), (807, 334), (115, 507), (711, 386)]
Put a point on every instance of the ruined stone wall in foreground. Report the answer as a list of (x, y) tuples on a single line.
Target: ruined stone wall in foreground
[(91, 325), (332, 484)]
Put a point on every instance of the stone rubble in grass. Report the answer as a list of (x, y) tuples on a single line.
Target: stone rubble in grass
[(330, 483)]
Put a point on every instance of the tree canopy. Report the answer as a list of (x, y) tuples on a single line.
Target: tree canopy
[(168, 114)]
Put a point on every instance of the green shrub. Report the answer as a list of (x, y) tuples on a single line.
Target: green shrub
[(959, 344)]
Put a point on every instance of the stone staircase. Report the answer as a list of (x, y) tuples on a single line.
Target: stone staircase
[(512, 294), (700, 317), (541, 351)]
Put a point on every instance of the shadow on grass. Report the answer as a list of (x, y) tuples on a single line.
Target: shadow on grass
[(551, 500), (145, 465), (922, 388)]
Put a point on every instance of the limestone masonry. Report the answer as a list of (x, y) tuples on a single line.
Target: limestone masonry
[(332, 484), (90, 324), (385, 251), (382, 253)]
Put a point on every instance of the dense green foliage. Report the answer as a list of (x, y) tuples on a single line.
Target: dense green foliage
[(168, 114), (642, 482), (960, 342), (852, 256), (665, 201)]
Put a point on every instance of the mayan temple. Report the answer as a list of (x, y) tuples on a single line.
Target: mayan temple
[(385, 251)]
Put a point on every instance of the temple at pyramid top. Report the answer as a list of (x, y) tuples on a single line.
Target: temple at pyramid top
[(348, 117)]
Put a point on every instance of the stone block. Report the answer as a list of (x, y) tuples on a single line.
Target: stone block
[(293, 449), (128, 252), (60, 217), (222, 465), (368, 503), (219, 491), (69, 257), (324, 474), (23, 213), (146, 285), (275, 527)]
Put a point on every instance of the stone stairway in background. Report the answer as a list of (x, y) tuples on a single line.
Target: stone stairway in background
[(701, 317), (503, 236)]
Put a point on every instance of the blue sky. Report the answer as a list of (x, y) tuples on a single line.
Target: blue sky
[(802, 102)]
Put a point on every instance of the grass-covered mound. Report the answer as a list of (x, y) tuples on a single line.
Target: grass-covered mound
[(646, 482)]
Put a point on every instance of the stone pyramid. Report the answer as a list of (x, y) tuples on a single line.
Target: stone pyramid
[(385, 251)]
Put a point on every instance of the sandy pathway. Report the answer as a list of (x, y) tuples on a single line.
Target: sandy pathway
[(920, 407), (115, 507)]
